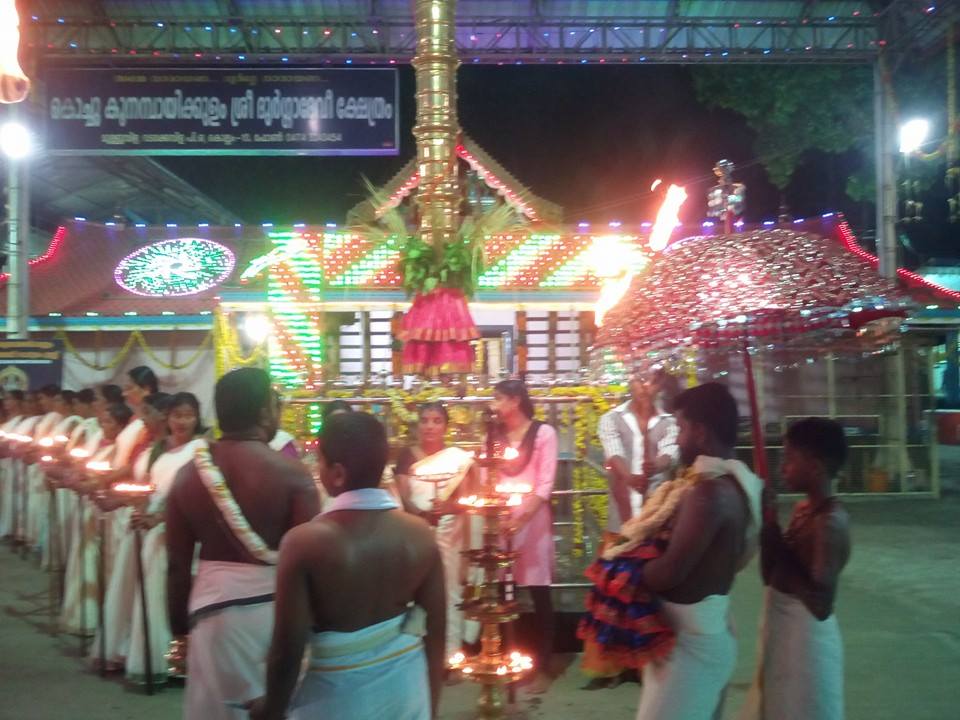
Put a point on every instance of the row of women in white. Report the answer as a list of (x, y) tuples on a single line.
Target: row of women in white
[(83, 482)]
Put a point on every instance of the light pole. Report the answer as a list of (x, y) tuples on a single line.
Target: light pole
[(16, 145), (913, 134)]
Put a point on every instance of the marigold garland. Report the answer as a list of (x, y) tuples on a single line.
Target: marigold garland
[(465, 425), (135, 338)]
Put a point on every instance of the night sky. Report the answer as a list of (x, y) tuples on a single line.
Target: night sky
[(591, 139)]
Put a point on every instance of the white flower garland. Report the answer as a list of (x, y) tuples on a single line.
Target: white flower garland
[(655, 513), (216, 484)]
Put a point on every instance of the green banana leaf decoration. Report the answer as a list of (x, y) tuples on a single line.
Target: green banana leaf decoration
[(457, 265)]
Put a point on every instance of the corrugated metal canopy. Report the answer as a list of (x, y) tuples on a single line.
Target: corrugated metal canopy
[(135, 189)]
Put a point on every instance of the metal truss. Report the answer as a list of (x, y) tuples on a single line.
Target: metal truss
[(381, 32), (487, 41)]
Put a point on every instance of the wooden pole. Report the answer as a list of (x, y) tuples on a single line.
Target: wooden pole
[(759, 445), (521, 343), (396, 347), (552, 342), (147, 660), (102, 590)]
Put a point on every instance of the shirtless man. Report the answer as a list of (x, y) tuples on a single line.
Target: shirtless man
[(713, 536), (355, 583), (237, 500)]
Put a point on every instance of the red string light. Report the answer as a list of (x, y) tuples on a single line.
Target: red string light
[(55, 244), (911, 278)]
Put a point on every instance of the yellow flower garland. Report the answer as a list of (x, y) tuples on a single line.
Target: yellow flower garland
[(403, 406), (135, 338)]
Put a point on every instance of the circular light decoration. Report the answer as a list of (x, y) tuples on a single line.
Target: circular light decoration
[(170, 268)]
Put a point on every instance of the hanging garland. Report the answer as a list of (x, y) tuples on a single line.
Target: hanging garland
[(201, 349), (135, 338), (227, 351)]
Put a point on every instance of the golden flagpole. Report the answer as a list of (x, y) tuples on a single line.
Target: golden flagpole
[(436, 128)]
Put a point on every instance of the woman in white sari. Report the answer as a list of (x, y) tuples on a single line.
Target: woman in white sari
[(183, 433), (79, 612), (417, 469), (121, 587)]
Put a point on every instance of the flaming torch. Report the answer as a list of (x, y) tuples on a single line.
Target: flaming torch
[(14, 83)]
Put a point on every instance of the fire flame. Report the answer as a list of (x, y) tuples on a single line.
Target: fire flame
[(668, 217), (98, 466), (79, 453), (614, 260), (15, 84), (656, 184)]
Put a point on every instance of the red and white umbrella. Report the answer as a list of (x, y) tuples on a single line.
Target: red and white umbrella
[(772, 287)]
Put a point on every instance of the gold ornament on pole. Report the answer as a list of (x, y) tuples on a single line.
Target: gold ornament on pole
[(436, 128)]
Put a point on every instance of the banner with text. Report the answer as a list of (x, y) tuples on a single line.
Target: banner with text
[(30, 364), (335, 111)]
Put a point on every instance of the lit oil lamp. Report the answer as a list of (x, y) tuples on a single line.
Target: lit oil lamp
[(445, 470), (492, 602), (128, 488), (79, 454), (133, 493), (45, 442)]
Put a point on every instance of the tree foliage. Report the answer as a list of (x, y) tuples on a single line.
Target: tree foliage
[(793, 109)]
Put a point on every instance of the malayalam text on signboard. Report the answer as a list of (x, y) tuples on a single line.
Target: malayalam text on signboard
[(335, 111)]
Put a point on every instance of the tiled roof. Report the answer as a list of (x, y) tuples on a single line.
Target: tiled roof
[(75, 277)]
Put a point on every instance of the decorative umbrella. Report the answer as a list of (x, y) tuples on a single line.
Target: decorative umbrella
[(772, 287)]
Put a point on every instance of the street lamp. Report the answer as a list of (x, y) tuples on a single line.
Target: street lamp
[(15, 140), (257, 328), (913, 134)]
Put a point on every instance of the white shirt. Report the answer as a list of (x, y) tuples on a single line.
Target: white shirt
[(619, 434)]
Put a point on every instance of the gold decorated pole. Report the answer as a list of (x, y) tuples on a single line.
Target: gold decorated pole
[(436, 128)]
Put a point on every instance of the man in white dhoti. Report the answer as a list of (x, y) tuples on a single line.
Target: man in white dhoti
[(714, 527), (800, 666), (228, 608), (363, 586)]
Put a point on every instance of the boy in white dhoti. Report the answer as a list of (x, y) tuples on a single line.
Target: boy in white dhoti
[(800, 669), (363, 585), (236, 499)]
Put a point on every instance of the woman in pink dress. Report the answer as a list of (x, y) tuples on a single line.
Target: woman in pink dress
[(532, 521)]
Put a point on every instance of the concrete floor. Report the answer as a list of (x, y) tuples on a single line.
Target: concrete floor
[(899, 609)]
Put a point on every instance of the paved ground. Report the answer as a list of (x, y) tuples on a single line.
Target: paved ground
[(899, 609)]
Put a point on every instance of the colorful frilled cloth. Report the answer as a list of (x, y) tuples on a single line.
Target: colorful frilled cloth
[(622, 628)]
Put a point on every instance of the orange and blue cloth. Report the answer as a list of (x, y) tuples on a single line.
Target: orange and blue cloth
[(623, 628)]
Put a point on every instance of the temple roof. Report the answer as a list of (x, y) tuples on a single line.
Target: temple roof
[(532, 207), (75, 277)]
